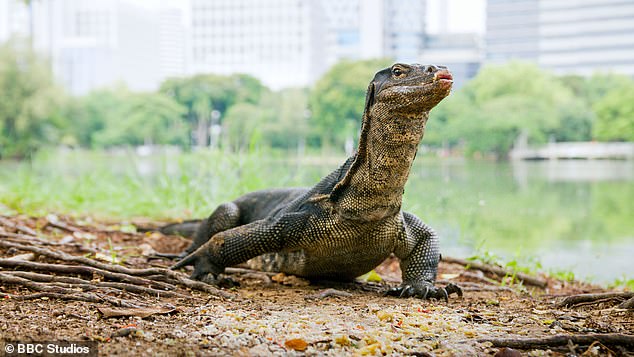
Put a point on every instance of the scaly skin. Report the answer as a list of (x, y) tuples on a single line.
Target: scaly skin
[(351, 220)]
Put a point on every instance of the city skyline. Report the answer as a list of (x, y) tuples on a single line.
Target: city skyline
[(291, 43)]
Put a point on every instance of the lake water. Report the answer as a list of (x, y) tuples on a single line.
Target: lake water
[(571, 215), (568, 215)]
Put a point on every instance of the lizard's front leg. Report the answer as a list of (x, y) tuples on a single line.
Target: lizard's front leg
[(239, 244), (419, 254)]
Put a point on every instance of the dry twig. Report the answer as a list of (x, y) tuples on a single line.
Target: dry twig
[(499, 271)]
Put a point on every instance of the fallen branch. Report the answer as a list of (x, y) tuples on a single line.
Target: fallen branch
[(561, 340), (594, 298), (499, 271), (57, 291)]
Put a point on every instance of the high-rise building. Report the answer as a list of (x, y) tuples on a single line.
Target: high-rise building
[(96, 43), (586, 36), (374, 28), (172, 43), (512, 30), (281, 42), (566, 36), (13, 19)]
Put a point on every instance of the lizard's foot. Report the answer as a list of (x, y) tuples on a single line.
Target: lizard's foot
[(206, 268), (424, 290)]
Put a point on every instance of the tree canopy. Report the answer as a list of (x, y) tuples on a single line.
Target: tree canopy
[(29, 101), (486, 115)]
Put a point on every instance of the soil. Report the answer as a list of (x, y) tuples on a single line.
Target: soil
[(280, 315)]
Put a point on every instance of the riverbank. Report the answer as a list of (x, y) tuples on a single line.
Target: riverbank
[(275, 314)]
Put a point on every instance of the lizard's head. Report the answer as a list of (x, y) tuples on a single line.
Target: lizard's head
[(409, 89)]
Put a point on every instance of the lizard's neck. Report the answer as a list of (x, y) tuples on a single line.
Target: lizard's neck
[(373, 186)]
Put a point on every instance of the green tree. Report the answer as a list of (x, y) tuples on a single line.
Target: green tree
[(29, 101), (608, 95), (202, 94), (145, 119), (337, 100), (89, 114), (615, 115), (500, 103)]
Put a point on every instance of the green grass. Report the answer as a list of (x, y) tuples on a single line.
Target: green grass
[(122, 185)]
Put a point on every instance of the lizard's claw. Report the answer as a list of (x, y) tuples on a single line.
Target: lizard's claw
[(203, 263), (424, 290)]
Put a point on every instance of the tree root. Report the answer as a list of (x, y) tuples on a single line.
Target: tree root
[(28, 239), (608, 339), (499, 271), (586, 299), (55, 291), (327, 293), (71, 282), (171, 276), (470, 286), (22, 228), (627, 304)]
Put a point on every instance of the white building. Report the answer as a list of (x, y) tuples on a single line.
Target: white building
[(362, 29), (97, 43), (281, 42), (512, 30), (567, 36), (586, 36)]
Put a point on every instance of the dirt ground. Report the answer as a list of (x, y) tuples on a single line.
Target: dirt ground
[(281, 315)]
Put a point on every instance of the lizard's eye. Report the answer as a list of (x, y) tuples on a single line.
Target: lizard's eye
[(397, 72)]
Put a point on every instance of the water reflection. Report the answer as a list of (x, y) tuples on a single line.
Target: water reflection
[(569, 214)]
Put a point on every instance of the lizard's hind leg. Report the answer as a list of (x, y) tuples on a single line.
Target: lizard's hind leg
[(224, 217)]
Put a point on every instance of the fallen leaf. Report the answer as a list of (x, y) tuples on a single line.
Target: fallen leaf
[(142, 312), (296, 344), (370, 276)]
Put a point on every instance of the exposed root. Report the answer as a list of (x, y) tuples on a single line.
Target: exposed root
[(608, 339), (327, 293), (587, 299), (173, 277), (56, 291), (499, 271), (22, 228), (627, 304), (71, 282)]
